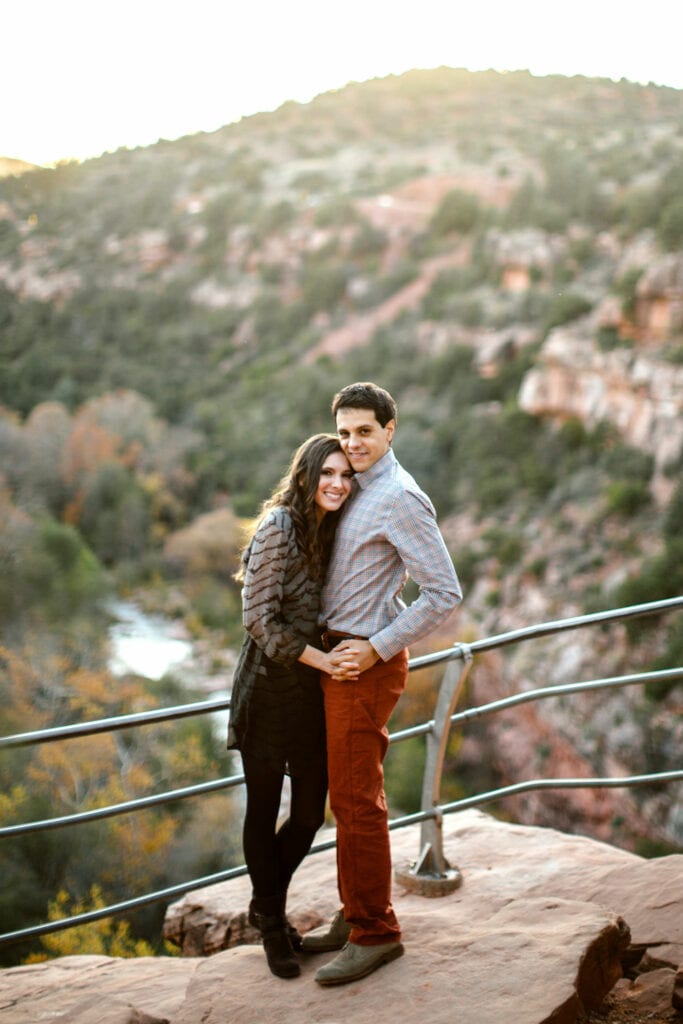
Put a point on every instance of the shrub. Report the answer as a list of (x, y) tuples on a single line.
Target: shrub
[(563, 307), (608, 339), (573, 434), (671, 658), (404, 769), (650, 848), (626, 498), (208, 546), (367, 241), (322, 287), (505, 546), (639, 209), (467, 565), (336, 212), (457, 211), (274, 218), (673, 519), (623, 462), (625, 288), (670, 226), (659, 578), (449, 292), (218, 606), (675, 355), (9, 239)]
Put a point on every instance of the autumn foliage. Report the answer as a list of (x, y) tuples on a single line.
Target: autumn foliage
[(83, 495)]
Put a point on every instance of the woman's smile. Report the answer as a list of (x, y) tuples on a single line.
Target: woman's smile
[(334, 486)]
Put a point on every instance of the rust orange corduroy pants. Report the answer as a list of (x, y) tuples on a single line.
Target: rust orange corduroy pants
[(356, 716)]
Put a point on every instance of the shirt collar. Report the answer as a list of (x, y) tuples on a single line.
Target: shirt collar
[(378, 469)]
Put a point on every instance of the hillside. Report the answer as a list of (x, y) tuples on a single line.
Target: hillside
[(11, 166), (503, 253)]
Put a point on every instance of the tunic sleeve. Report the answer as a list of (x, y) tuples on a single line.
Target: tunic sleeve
[(270, 563)]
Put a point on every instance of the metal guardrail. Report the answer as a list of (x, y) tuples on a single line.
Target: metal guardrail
[(431, 863), (67, 732)]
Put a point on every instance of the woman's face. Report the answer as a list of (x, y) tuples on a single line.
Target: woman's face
[(334, 485)]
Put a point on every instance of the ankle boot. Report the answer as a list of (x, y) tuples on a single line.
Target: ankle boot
[(267, 915), (294, 936)]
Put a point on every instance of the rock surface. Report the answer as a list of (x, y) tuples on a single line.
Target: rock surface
[(637, 393), (584, 939), (536, 934), (85, 989)]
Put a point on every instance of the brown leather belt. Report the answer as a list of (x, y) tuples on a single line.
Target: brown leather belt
[(329, 638)]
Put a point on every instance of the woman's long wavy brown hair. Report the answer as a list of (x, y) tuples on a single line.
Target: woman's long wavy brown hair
[(296, 492)]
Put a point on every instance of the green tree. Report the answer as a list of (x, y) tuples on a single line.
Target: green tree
[(48, 570), (109, 859), (115, 514)]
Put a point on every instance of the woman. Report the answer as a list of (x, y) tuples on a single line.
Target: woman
[(277, 718)]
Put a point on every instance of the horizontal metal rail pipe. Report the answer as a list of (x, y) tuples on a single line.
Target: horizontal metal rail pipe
[(656, 778), (68, 732), (664, 676), (409, 819), (543, 629), (123, 808), (413, 730)]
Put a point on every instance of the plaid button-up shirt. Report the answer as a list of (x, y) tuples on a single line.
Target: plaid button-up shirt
[(388, 532)]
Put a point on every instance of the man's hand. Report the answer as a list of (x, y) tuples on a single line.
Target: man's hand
[(363, 653)]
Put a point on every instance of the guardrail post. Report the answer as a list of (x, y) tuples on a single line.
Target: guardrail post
[(432, 875)]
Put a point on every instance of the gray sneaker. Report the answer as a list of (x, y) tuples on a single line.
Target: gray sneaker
[(328, 937), (356, 962)]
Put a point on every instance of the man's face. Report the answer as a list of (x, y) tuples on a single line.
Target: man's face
[(363, 439)]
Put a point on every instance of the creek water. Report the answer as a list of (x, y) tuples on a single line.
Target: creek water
[(151, 645), (146, 645)]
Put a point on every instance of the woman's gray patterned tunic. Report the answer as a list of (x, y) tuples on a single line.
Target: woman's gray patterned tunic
[(277, 709)]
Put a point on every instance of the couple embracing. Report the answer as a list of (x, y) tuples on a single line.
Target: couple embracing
[(323, 663)]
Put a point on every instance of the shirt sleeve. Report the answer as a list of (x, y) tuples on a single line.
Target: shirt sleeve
[(413, 532), (271, 554)]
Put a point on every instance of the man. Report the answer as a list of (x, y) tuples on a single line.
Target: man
[(388, 532)]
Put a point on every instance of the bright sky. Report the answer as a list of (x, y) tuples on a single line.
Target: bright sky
[(80, 77)]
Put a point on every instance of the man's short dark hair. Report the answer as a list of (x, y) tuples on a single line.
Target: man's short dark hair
[(366, 395)]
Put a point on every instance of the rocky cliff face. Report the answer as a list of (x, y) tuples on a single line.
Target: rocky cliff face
[(637, 389), (641, 395), (659, 309)]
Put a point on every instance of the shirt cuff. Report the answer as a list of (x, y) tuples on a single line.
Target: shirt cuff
[(384, 646)]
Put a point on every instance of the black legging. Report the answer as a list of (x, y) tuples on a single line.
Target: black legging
[(273, 856)]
